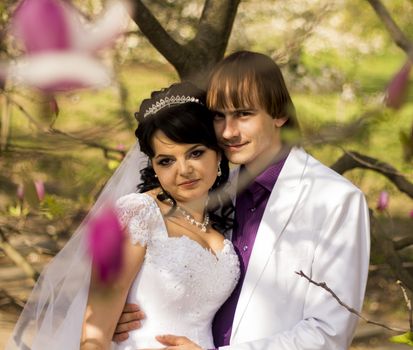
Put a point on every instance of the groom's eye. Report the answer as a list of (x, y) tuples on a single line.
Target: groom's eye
[(244, 113), (218, 116)]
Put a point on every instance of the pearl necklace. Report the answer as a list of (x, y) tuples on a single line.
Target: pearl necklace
[(188, 217)]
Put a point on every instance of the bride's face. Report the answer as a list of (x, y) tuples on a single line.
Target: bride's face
[(185, 171)]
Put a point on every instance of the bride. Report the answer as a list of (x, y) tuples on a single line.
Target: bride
[(176, 263)]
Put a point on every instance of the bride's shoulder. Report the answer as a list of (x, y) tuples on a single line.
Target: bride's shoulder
[(139, 214), (135, 199)]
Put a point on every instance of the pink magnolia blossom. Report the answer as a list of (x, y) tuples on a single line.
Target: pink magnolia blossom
[(20, 191), (105, 238), (42, 25), (411, 214), (39, 186), (120, 147), (3, 76), (60, 48), (398, 86), (383, 201), (54, 107)]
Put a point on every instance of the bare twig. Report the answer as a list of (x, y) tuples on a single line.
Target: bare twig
[(408, 301), (295, 44), (5, 122), (403, 243), (16, 301), (107, 151), (350, 309), (17, 258), (25, 113)]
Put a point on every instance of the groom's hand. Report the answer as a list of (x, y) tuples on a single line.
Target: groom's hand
[(173, 342), (130, 319)]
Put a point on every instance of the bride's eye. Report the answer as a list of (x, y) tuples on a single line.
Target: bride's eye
[(164, 162), (197, 153)]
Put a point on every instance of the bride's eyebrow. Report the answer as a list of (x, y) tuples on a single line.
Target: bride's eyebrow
[(163, 156), (187, 151), (194, 147)]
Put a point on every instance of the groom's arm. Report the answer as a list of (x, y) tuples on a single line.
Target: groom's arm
[(342, 262), (130, 320)]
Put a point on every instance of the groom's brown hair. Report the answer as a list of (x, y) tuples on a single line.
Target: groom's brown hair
[(248, 79)]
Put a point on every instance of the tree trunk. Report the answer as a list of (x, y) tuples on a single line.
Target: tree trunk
[(194, 59)]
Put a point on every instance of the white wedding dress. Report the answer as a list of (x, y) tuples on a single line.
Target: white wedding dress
[(180, 285)]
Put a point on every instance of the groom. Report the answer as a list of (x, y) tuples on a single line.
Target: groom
[(292, 214)]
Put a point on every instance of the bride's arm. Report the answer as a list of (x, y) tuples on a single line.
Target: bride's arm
[(105, 303)]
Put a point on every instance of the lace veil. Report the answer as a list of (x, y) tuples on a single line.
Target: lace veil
[(53, 315)]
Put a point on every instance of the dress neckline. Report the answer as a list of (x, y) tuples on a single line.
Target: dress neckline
[(209, 250)]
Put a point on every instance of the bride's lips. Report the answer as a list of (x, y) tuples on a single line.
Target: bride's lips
[(189, 183)]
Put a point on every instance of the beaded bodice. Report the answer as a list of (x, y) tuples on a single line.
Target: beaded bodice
[(181, 284)]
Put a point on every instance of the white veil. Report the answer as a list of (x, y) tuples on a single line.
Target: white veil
[(53, 315)]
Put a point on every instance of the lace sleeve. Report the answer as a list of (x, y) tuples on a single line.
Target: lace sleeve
[(135, 211)]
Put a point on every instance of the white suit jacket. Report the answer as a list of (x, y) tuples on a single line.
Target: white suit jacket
[(318, 222)]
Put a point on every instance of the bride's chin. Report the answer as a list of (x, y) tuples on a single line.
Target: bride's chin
[(191, 197)]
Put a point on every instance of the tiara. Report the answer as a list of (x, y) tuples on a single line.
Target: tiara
[(170, 101)]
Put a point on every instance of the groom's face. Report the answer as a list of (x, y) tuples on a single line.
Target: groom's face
[(247, 134)]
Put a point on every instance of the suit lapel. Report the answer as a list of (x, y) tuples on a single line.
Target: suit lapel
[(281, 203), (231, 190)]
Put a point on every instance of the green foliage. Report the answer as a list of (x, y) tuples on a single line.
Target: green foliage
[(405, 338), (55, 207)]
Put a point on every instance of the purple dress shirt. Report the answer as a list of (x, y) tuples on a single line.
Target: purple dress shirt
[(249, 209)]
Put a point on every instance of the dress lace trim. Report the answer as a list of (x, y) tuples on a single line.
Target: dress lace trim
[(137, 213)]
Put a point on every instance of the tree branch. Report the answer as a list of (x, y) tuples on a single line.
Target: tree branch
[(106, 150), (408, 301), (17, 258), (350, 309), (385, 245), (215, 26), (403, 243), (16, 301), (194, 59), (157, 35), (395, 32), (53, 131), (352, 160)]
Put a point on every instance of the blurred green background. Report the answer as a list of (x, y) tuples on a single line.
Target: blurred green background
[(336, 56)]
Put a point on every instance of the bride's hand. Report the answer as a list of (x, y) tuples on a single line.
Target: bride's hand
[(173, 342)]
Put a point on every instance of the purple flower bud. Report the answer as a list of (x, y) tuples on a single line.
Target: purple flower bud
[(105, 238), (398, 86), (20, 191), (383, 201), (39, 185)]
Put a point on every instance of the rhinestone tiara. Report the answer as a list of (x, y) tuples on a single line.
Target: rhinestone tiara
[(170, 101)]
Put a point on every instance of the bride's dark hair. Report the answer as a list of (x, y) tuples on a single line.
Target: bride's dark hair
[(179, 111)]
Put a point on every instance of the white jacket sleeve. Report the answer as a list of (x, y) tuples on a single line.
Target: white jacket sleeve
[(341, 259)]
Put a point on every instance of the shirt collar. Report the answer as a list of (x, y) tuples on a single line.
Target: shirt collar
[(269, 176)]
